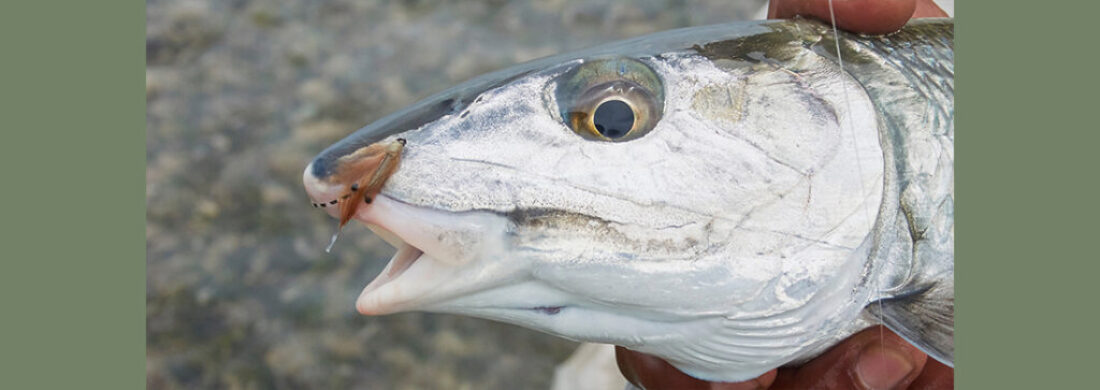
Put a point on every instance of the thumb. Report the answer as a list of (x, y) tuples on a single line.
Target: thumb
[(874, 358), (865, 16)]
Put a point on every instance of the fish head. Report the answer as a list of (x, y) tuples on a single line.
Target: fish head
[(627, 199)]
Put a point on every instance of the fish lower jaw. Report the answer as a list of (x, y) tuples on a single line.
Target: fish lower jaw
[(536, 305), (412, 280), (439, 255), (408, 277), (406, 256), (415, 280)]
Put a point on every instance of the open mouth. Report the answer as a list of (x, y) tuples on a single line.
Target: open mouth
[(404, 258), (422, 268), (439, 253), (386, 294), (406, 281), (462, 262)]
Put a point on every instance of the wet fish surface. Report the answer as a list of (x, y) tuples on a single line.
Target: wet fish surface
[(728, 197)]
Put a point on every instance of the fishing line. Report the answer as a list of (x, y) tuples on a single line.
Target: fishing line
[(859, 170)]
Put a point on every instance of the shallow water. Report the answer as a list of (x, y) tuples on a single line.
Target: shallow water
[(240, 95)]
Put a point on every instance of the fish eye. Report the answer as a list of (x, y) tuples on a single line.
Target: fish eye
[(614, 100)]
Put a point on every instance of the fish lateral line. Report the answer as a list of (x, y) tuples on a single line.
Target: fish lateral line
[(367, 171)]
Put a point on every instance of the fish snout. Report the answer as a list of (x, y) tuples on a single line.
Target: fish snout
[(322, 193), (441, 254), (346, 180)]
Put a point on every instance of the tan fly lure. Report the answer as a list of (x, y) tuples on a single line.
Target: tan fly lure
[(367, 170)]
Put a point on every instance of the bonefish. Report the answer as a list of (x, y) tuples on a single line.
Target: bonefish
[(726, 197)]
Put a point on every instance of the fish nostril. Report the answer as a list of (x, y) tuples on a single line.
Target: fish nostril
[(319, 167)]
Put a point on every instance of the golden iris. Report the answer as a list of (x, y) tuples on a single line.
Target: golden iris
[(615, 99)]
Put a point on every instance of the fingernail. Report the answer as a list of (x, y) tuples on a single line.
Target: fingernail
[(882, 368)]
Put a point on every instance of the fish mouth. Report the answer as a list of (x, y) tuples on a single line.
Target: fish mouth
[(463, 263), (440, 254), (406, 279)]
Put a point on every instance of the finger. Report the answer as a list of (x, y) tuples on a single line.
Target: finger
[(650, 372), (866, 16), (875, 358), (936, 376)]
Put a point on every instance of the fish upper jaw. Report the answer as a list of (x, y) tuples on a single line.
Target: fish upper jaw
[(322, 194)]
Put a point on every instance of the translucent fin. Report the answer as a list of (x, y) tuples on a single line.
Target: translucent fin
[(925, 318)]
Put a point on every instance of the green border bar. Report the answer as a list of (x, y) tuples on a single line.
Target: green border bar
[(1027, 263), (72, 164), (72, 167)]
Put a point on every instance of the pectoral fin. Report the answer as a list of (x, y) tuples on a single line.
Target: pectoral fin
[(924, 317)]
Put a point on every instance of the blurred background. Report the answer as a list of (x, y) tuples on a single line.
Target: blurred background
[(240, 95)]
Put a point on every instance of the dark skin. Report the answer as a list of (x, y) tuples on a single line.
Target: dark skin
[(865, 16), (874, 358)]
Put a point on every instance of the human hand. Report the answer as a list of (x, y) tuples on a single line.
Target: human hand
[(874, 358), (865, 16)]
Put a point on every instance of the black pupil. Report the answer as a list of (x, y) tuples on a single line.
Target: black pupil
[(613, 118)]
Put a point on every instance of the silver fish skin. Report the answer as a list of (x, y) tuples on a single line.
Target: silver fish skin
[(764, 204)]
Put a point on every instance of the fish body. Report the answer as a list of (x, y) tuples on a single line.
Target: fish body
[(729, 198)]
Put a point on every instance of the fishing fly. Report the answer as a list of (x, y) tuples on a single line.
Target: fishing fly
[(367, 169)]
